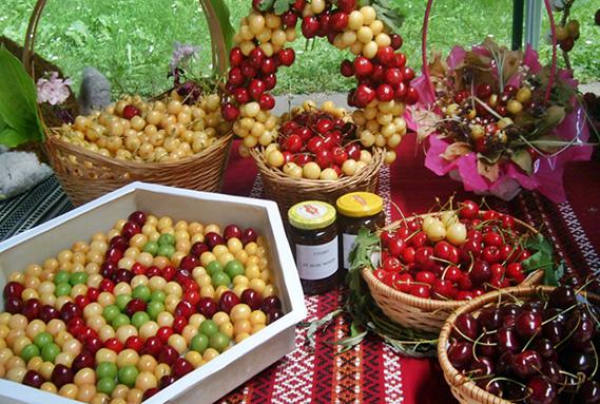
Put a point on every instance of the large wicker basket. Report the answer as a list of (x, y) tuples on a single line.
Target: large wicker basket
[(287, 191), (463, 389), (85, 175), (423, 313)]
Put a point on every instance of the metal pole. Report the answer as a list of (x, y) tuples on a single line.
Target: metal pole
[(517, 26), (533, 23)]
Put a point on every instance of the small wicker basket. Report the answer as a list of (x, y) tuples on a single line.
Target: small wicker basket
[(463, 389), (85, 175), (422, 313), (287, 191)]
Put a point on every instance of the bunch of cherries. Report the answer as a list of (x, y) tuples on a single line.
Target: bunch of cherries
[(383, 78), (541, 350), (453, 255), (136, 309), (318, 144)]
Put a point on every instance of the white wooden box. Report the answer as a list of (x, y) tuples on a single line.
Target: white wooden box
[(233, 367)]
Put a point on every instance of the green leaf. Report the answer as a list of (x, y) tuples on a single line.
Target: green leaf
[(543, 258), (223, 16), (266, 5), (389, 13), (522, 158), (281, 6), (10, 137), (18, 103)]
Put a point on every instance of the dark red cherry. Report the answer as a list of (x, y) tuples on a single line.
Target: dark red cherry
[(13, 289), (252, 298), (466, 326), (207, 307), (33, 379), (138, 217), (227, 301), (152, 346), (48, 313), (589, 393), (213, 239), (84, 360), (168, 355), (182, 367), (61, 375), (130, 229), (527, 363), (460, 354), (198, 248), (528, 324), (541, 391)]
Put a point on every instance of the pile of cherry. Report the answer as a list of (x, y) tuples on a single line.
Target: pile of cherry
[(540, 350), (318, 144), (136, 309), (455, 254)]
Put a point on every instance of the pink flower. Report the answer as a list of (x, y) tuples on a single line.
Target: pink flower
[(183, 52), (53, 90)]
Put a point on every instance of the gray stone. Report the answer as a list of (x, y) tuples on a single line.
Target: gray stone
[(94, 92)]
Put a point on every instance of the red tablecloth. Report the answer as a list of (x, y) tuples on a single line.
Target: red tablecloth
[(373, 372)]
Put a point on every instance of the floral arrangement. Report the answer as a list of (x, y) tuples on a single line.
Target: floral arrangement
[(498, 121)]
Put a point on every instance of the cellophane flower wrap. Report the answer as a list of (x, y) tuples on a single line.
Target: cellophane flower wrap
[(487, 120)]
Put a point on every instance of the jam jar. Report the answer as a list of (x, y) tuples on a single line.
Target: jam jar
[(314, 239), (356, 210)]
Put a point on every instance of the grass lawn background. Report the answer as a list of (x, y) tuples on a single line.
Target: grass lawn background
[(131, 41)]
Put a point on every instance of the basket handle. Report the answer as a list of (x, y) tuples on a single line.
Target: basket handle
[(427, 74), (218, 44)]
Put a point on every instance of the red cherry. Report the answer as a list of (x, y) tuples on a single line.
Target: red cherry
[(198, 248), (247, 70), (385, 55), (310, 26), (61, 375), (483, 90), (130, 111), (400, 91), (81, 301), (364, 95), (315, 144), (138, 269), (256, 89), (179, 324), (207, 307), (241, 95), (394, 76), (468, 210), (93, 344), (286, 56), (293, 143), (324, 158), (168, 355), (412, 96), (113, 344), (231, 231), (230, 112), (339, 155), (347, 6), (347, 68), (113, 255), (184, 309), (270, 81), (168, 272), (236, 57), (235, 76), (252, 298), (362, 66), (385, 92), (134, 306), (213, 239), (266, 102), (130, 229), (48, 313), (396, 41), (182, 367), (134, 342), (84, 360), (227, 301), (271, 303), (13, 289), (152, 346), (289, 19), (338, 21), (256, 57), (164, 333), (31, 309), (70, 311)]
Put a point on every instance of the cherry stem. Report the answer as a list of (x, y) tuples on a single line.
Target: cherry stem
[(487, 107)]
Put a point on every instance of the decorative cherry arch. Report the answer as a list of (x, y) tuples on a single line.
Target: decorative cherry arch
[(382, 78)]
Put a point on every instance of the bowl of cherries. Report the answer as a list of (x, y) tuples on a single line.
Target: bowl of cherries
[(429, 265), (532, 345)]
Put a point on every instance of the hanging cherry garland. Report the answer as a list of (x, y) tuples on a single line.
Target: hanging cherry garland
[(382, 78)]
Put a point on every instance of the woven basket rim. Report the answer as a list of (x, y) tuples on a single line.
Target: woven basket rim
[(55, 139), (456, 379), (279, 176), (428, 303)]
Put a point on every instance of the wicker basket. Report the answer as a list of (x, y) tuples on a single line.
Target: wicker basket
[(85, 175), (422, 313), (463, 389), (287, 191)]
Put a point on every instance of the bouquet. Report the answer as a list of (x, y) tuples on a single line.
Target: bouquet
[(499, 122)]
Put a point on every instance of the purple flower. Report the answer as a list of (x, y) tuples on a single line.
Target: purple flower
[(182, 52), (53, 90)]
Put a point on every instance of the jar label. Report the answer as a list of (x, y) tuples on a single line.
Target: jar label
[(348, 240), (317, 261)]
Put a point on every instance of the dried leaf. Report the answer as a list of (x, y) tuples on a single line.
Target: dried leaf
[(523, 159), (437, 67), (510, 66), (455, 150), (426, 120), (489, 171)]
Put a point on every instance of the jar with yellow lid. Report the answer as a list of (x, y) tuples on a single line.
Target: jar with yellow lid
[(314, 239), (356, 210)]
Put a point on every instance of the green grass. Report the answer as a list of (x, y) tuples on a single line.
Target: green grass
[(132, 40)]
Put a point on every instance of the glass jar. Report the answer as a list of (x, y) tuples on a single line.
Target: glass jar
[(314, 239), (356, 210)]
